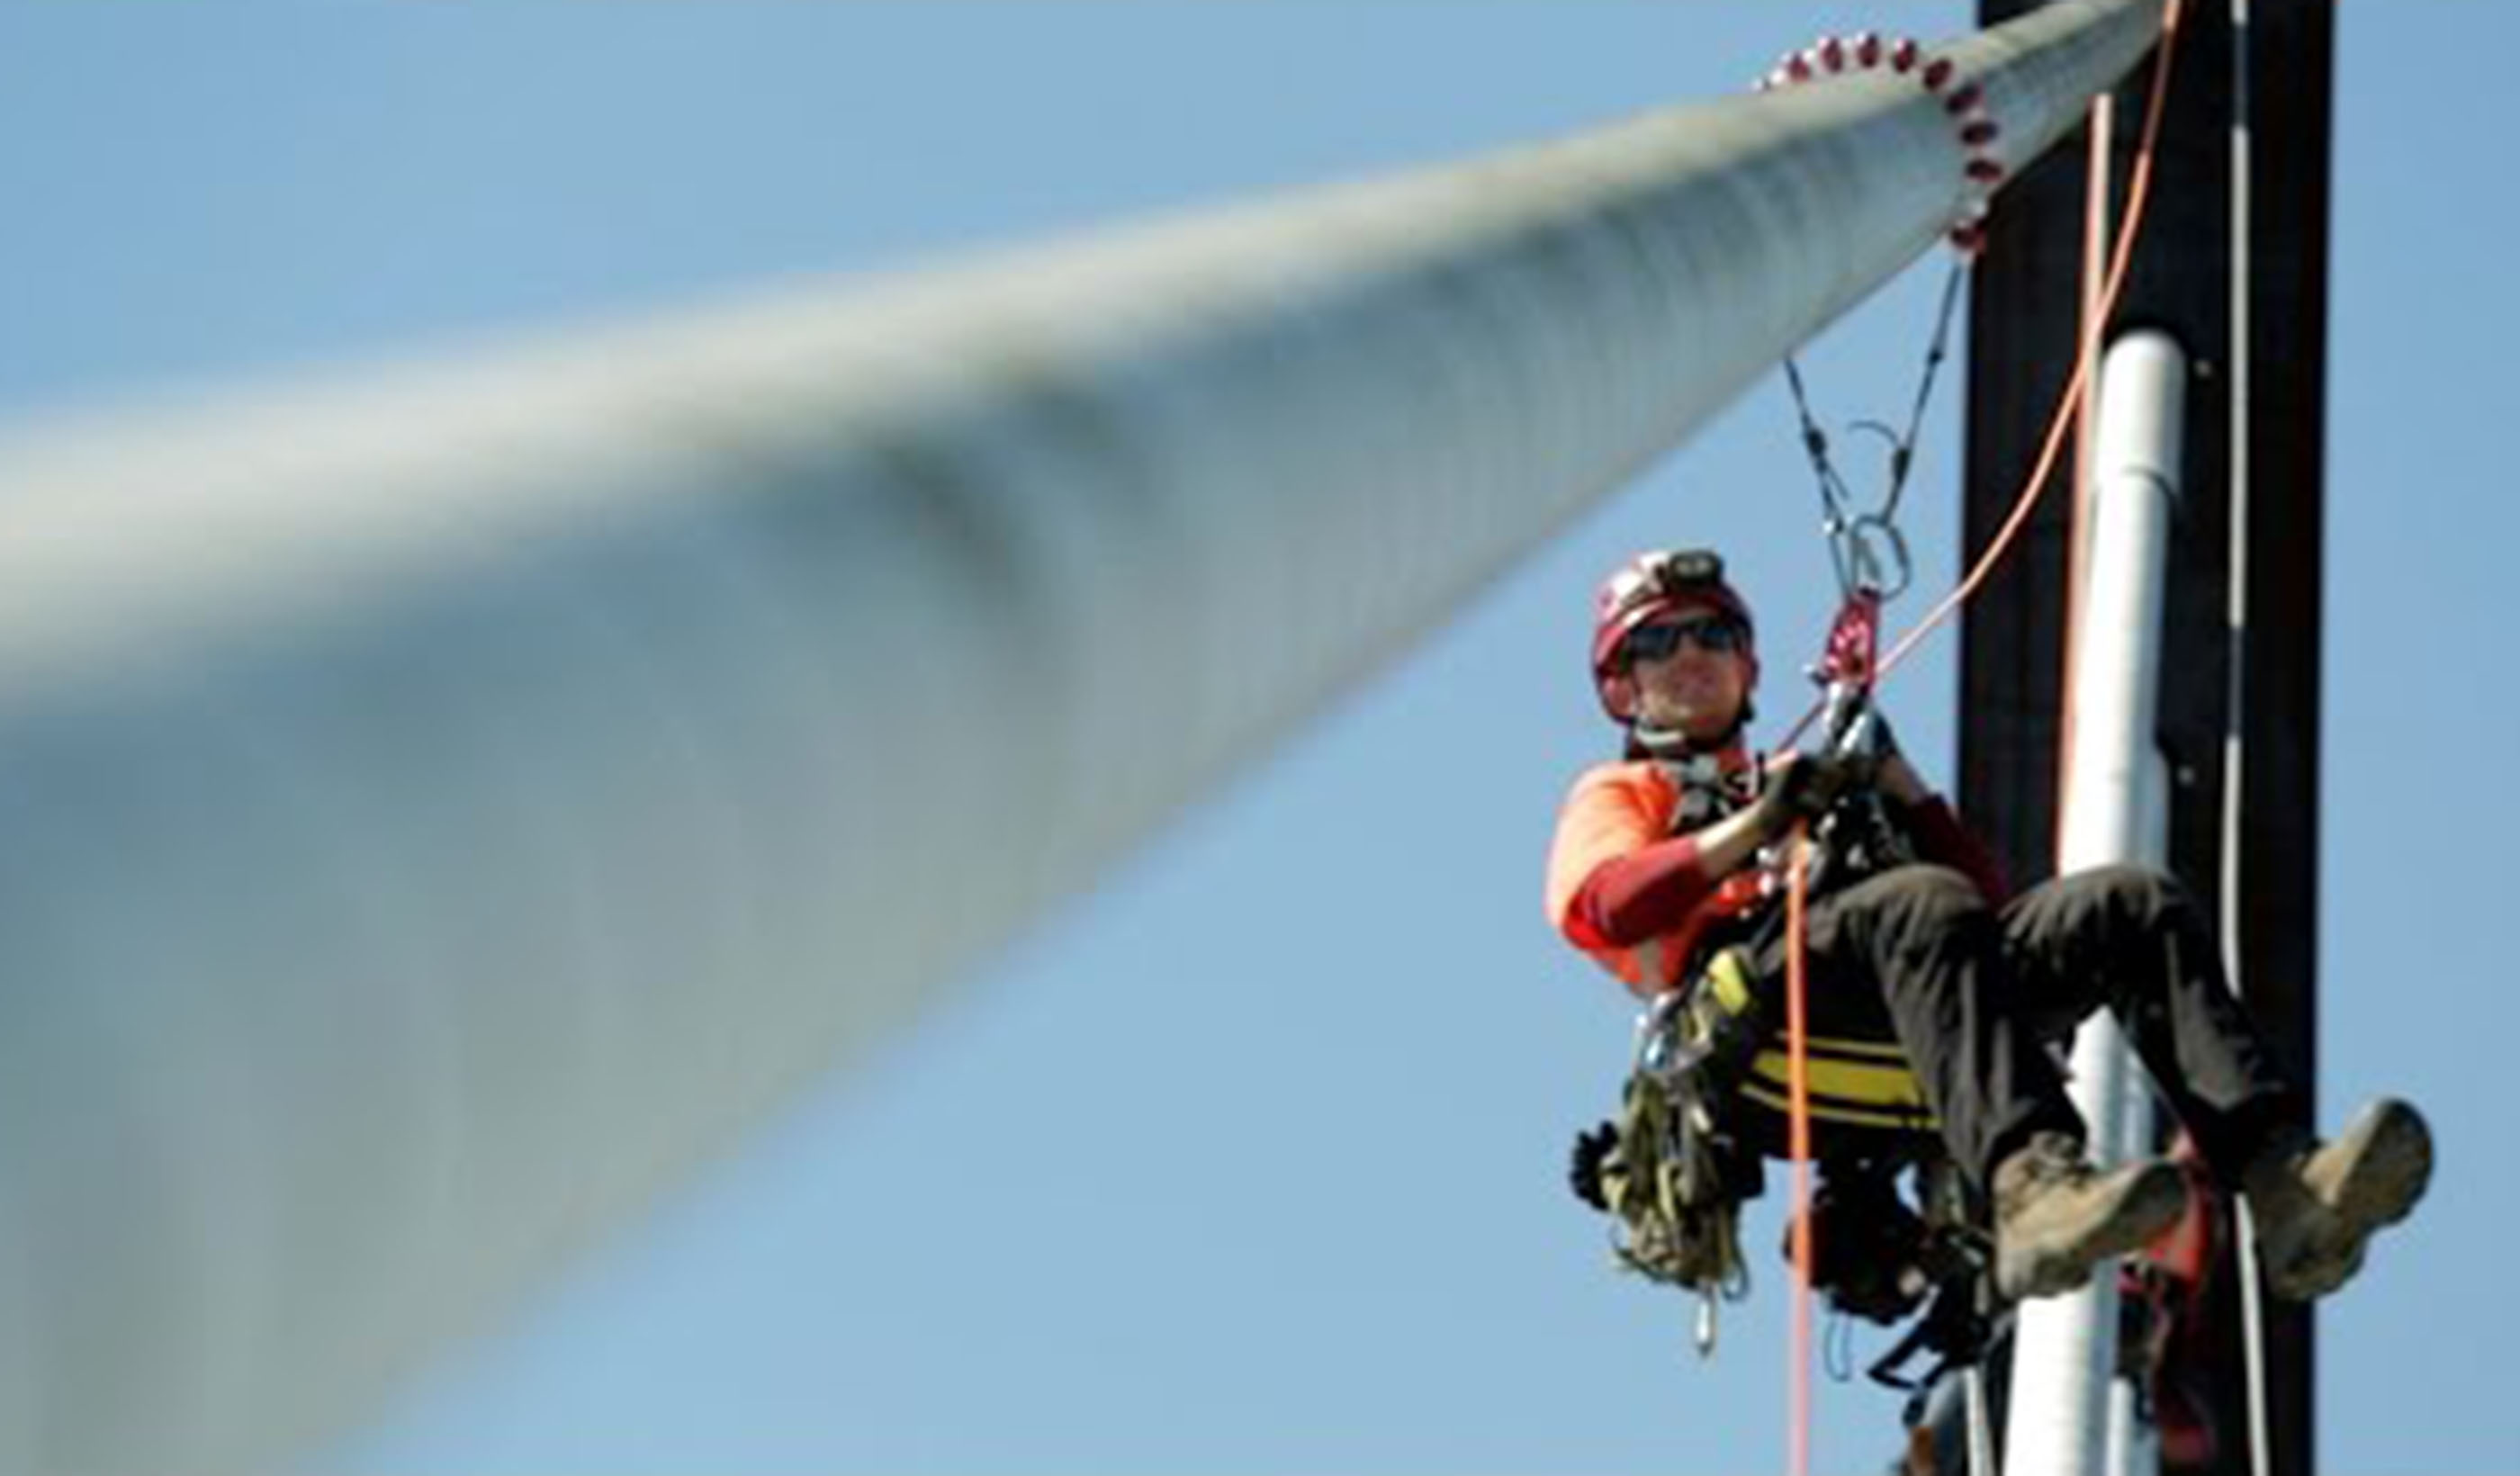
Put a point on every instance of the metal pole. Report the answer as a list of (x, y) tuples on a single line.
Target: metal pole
[(2065, 1347), (1982, 1459), (445, 807)]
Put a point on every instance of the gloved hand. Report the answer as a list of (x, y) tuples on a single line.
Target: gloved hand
[(1584, 1165), (1802, 787)]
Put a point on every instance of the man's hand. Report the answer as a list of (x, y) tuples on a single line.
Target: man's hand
[(1800, 787), (1584, 1165)]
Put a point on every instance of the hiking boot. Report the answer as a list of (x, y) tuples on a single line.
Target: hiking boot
[(2056, 1217), (2317, 1206)]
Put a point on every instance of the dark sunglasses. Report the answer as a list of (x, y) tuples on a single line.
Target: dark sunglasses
[(1656, 642)]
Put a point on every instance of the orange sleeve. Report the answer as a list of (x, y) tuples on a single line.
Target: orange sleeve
[(1614, 810)]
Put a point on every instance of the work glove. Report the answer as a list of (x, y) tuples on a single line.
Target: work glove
[(1584, 1165), (1805, 788)]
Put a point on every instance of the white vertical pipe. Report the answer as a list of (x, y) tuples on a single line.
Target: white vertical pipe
[(2065, 1347), (2243, 368), (445, 805), (1980, 1415)]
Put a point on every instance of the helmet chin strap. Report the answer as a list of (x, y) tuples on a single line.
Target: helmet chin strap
[(1672, 742), (1656, 742)]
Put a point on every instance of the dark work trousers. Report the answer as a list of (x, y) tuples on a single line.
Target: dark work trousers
[(1972, 996)]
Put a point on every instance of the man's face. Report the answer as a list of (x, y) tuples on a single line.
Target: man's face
[(1693, 672)]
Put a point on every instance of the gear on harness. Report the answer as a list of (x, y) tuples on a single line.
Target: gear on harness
[(1676, 1166), (1880, 1259), (1870, 1250), (1674, 1169), (1958, 1330), (1666, 1169)]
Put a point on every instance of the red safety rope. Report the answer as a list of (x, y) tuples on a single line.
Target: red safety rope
[(1799, 1147), (1848, 663)]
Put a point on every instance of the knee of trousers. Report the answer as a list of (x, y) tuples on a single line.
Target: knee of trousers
[(1923, 899), (2141, 894)]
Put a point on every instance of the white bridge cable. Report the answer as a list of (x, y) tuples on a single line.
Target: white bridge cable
[(446, 807)]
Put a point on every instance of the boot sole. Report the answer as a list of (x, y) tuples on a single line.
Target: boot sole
[(2147, 1205), (2390, 1169), (2388, 1166)]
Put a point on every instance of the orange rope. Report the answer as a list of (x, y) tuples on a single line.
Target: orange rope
[(1799, 1149), (2139, 193)]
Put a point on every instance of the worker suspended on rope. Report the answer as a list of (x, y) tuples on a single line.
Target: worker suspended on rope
[(1934, 997)]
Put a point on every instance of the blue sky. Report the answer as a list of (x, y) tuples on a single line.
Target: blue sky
[(1250, 1162)]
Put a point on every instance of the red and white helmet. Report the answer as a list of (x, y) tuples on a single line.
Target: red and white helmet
[(1650, 587)]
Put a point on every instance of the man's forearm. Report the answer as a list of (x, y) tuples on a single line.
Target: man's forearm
[(1654, 890), (1733, 842)]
